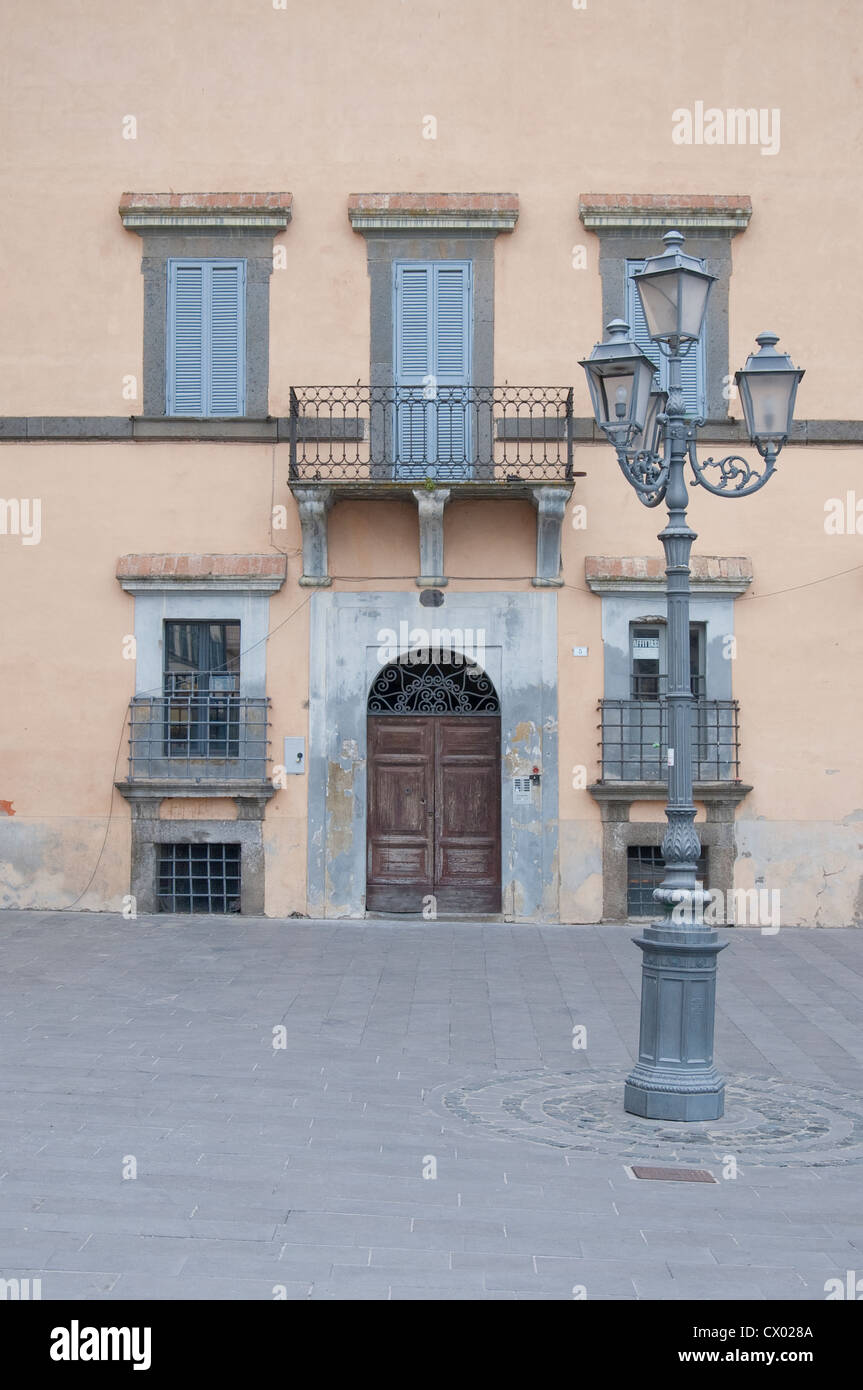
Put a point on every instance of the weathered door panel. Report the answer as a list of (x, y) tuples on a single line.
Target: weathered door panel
[(467, 814), (400, 837), (434, 814)]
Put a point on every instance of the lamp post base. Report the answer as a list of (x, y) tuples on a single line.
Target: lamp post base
[(654, 1100), (674, 1077)]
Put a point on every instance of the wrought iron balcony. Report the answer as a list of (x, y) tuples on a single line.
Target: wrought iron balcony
[(215, 737), (452, 434), (634, 744)]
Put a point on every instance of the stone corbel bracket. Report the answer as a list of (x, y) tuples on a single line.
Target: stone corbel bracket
[(313, 504), (430, 504), (550, 503)]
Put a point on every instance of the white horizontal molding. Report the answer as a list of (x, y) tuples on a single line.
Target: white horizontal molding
[(364, 221)]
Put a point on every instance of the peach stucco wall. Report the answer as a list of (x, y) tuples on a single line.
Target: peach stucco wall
[(541, 99)]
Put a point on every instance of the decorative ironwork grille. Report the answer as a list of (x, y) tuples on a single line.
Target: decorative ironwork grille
[(453, 434), (199, 878), (435, 688)]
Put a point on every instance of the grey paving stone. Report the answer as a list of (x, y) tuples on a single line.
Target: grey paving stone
[(304, 1167)]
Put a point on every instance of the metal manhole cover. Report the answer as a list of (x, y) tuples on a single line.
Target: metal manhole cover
[(767, 1121), (672, 1174)]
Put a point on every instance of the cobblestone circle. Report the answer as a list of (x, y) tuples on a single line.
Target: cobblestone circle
[(767, 1122)]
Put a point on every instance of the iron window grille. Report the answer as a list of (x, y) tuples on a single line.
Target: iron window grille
[(634, 740), (645, 870), (199, 878), (238, 750)]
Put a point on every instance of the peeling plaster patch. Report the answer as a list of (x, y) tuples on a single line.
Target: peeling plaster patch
[(513, 901), (517, 763), (825, 874), (6, 808), (44, 868), (850, 819), (809, 863), (857, 919), (340, 790)]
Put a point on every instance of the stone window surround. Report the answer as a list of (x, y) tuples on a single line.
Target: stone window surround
[(618, 833), (631, 226), (201, 226), (232, 587), (632, 589)]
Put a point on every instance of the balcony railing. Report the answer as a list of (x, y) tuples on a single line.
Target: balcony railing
[(494, 434), (214, 737), (635, 740)]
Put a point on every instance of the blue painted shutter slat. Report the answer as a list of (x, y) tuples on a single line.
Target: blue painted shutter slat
[(432, 363), (185, 341), (451, 361), (226, 368), (413, 359), (692, 378), (414, 324), (206, 338), (451, 286), (692, 365)]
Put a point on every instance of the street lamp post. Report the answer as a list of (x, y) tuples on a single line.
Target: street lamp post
[(674, 1077)]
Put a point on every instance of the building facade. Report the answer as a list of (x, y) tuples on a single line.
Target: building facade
[(324, 594)]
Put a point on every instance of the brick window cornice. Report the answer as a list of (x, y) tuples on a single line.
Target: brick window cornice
[(611, 574), (148, 211), (642, 211), (258, 573), (497, 212)]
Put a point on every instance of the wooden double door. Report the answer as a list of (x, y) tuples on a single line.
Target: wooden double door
[(433, 825)]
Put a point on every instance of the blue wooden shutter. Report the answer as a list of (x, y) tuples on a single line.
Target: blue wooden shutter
[(692, 377), (414, 361), (692, 365), (432, 364), (451, 361), (185, 339), (226, 366), (206, 338)]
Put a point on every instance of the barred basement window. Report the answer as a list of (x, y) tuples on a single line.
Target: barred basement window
[(645, 871), (199, 878)]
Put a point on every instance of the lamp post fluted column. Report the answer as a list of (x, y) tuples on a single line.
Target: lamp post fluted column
[(674, 1077)]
